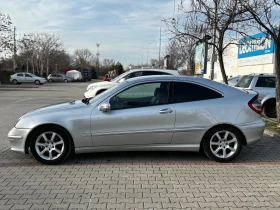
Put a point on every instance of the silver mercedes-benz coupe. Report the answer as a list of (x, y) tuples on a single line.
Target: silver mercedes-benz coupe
[(167, 113)]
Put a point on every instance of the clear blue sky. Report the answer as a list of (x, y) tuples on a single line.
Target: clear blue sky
[(124, 28)]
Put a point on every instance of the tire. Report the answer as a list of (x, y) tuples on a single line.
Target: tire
[(37, 82), (66, 80), (50, 80), (269, 109), (50, 145), (15, 82), (217, 147)]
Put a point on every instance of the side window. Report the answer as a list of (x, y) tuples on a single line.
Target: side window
[(20, 75), (59, 76), (142, 95), (268, 82), (187, 92), (28, 75), (150, 73), (134, 74)]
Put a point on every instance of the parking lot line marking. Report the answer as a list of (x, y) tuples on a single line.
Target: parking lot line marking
[(21, 100)]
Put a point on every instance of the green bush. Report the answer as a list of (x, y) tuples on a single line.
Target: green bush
[(5, 76)]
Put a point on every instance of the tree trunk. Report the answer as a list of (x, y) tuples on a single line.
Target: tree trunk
[(47, 66), (277, 72), (221, 62)]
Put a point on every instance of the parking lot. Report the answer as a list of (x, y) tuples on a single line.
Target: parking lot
[(130, 180)]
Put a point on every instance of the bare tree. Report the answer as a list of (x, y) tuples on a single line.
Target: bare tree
[(6, 34), (83, 58), (220, 16), (38, 49), (267, 19)]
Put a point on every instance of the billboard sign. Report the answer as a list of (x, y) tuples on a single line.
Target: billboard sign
[(255, 49), (199, 59)]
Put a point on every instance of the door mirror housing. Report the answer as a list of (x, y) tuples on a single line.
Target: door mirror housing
[(121, 80), (104, 107)]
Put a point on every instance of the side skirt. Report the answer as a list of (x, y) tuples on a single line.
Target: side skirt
[(154, 147)]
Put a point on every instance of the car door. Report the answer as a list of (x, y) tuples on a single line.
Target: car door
[(195, 105), (29, 78), (264, 86), (139, 115), (59, 78), (20, 77)]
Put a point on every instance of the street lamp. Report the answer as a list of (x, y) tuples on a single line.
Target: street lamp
[(162, 20)]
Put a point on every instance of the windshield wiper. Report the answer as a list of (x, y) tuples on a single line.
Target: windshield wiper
[(86, 100)]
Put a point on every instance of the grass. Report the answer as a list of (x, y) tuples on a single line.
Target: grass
[(271, 126)]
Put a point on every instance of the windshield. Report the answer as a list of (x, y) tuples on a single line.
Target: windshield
[(119, 77), (245, 81)]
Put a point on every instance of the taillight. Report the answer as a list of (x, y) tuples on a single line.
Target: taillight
[(256, 106)]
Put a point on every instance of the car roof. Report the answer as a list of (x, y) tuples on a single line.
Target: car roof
[(159, 70)]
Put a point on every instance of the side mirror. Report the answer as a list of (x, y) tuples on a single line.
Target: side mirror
[(122, 80), (104, 107)]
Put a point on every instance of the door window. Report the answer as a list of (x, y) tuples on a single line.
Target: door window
[(268, 82), (187, 92), (28, 75), (142, 95), (134, 74), (20, 75)]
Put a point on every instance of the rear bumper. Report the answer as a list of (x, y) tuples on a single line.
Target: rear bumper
[(253, 131)]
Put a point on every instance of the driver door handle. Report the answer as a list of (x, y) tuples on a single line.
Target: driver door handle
[(165, 111)]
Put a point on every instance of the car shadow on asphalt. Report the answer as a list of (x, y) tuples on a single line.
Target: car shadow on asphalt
[(264, 152)]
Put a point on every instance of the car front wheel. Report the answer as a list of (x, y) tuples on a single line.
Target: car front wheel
[(15, 82), (50, 145), (66, 80), (222, 144)]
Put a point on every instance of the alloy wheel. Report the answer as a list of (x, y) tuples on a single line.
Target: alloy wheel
[(49, 145), (223, 144)]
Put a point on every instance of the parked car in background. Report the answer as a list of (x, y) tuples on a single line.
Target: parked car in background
[(59, 78), (264, 84), (157, 113), (23, 77), (99, 87), (232, 81)]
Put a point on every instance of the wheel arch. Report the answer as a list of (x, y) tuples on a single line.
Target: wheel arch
[(29, 136), (244, 140), (100, 91)]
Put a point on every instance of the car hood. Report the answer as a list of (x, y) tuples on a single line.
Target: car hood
[(100, 84), (57, 107)]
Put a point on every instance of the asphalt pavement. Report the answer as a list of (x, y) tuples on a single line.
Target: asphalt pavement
[(130, 180)]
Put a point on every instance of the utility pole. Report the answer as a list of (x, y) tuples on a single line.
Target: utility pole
[(214, 43), (15, 50), (97, 57), (159, 44)]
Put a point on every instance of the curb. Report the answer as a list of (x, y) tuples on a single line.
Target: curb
[(272, 134)]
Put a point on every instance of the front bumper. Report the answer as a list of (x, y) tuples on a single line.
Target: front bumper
[(253, 131), (17, 138)]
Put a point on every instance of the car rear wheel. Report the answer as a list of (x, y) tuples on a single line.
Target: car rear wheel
[(50, 145), (269, 109), (15, 82), (222, 144), (65, 80), (37, 82)]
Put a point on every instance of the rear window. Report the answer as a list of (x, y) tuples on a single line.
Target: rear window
[(245, 81), (268, 82)]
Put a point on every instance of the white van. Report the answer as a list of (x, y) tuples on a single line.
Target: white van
[(74, 74)]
